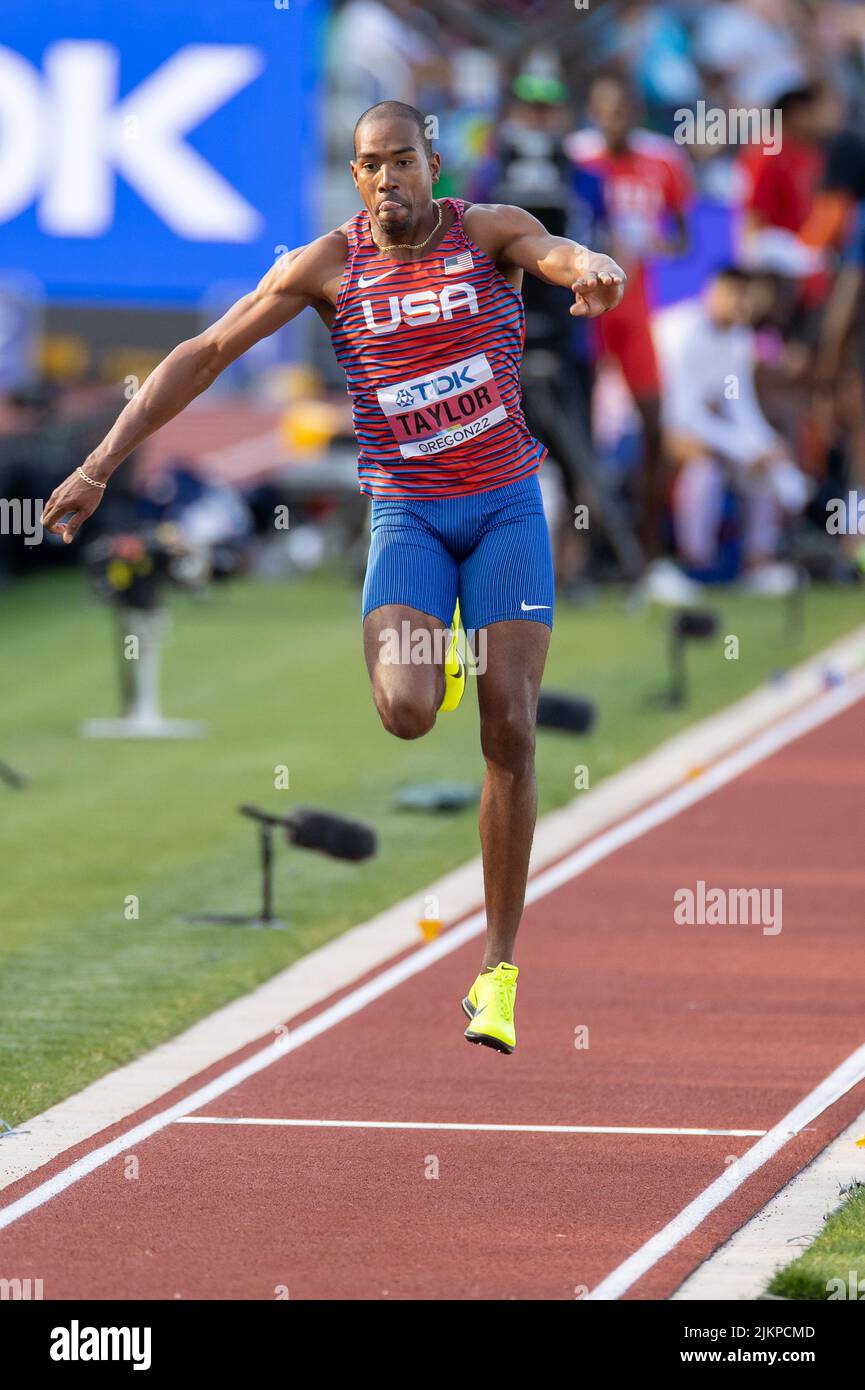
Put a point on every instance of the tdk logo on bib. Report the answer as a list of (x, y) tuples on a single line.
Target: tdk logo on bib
[(421, 307), (450, 406), (428, 388)]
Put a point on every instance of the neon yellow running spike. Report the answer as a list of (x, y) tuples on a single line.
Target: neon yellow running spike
[(455, 668), (489, 1006)]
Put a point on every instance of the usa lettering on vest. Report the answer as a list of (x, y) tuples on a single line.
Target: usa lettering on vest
[(422, 307)]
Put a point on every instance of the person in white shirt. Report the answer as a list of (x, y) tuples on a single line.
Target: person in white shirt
[(717, 434)]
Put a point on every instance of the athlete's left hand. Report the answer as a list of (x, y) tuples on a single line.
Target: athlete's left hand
[(596, 291)]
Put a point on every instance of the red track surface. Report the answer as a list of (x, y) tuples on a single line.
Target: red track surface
[(718, 1027)]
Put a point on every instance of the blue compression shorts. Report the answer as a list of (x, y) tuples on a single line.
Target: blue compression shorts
[(490, 549)]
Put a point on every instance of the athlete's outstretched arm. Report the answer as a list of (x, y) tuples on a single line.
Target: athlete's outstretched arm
[(296, 280), (513, 236)]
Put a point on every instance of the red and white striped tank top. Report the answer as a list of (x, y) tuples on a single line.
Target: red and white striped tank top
[(431, 351)]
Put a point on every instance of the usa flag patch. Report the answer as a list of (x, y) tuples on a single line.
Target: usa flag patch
[(454, 264)]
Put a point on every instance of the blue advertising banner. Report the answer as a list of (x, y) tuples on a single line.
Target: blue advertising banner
[(152, 148)]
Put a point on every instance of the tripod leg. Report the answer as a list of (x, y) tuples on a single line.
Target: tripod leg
[(678, 677), (266, 842)]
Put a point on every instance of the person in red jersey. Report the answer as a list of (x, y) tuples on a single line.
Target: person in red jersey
[(422, 298), (647, 188), (780, 186)]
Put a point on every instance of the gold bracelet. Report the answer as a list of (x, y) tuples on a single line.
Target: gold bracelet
[(92, 481)]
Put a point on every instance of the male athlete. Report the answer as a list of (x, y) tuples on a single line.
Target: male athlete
[(422, 298)]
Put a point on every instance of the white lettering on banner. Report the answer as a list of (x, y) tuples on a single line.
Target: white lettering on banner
[(20, 121), (69, 136)]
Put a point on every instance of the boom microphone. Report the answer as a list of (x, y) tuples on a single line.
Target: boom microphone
[(308, 829), (695, 622), (342, 839), (569, 713)]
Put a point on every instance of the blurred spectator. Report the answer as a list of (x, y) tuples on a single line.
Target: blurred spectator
[(468, 116), (757, 48), (831, 218), (382, 51), (844, 313), (839, 384), (780, 188), (719, 437), (526, 157), (527, 166), (646, 190), (652, 41)]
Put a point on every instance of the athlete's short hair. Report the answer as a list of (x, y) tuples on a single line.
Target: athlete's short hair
[(396, 108)]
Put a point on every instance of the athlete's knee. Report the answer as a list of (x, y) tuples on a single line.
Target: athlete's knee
[(508, 738), (405, 714)]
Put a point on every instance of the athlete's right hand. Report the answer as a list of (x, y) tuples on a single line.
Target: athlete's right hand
[(74, 499)]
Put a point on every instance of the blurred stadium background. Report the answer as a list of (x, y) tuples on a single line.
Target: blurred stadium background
[(156, 158)]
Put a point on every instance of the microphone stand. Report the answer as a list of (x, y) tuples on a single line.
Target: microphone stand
[(265, 917)]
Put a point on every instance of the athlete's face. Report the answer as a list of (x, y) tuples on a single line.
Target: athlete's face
[(394, 174)]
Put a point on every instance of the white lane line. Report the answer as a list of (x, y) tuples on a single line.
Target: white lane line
[(841, 1080), (420, 1124), (800, 722), (743, 1266)]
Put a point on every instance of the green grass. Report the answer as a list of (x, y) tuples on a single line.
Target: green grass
[(838, 1251), (278, 672)]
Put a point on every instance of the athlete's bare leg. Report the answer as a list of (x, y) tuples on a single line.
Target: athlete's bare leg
[(407, 693), (508, 699), (407, 696)]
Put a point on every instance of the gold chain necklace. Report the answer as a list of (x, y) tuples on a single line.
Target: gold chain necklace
[(406, 245)]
